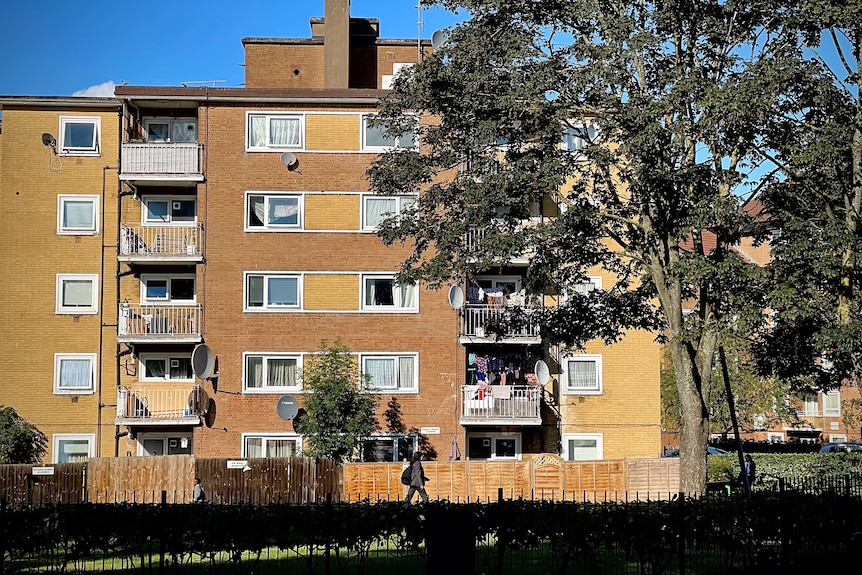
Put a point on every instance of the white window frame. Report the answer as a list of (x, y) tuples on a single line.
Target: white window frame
[(167, 300), (170, 122), (267, 227), (400, 201), (394, 439), (58, 360), (265, 389), (273, 308), (269, 437), (582, 357), (598, 437), (411, 388), (164, 436), (365, 147), (832, 411), (146, 221), (494, 436), (583, 288), (167, 358), (810, 406), (578, 126), (396, 296), (91, 309), (92, 150), (90, 438), (268, 116), (775, 437), (71, 231), (837, 438)]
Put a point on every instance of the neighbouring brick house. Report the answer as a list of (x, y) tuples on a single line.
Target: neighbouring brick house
[(231, 230)]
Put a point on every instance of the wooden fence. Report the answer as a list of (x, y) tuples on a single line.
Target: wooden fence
[(543, 476), (302, 480)]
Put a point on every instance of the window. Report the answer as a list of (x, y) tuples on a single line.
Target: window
[(272, 291), (275, 131), (74, 373), (577, 138), (273, 212), (161, 211), (382, 293), (582, 446), (151, 444), (809, 405), (775, 437), (171, 129), (837, 438), (376, 208), (494, 446), (584, 288), (832, 404), (73, 448), (79, 136), (176, 367), (270, 445), (76, 294), (391, 372), (374, 138), (382, 448), (77, 215), (167, 289), (271, 373), (582, 374)]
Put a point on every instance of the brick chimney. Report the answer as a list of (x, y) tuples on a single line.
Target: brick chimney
[(336, 44)]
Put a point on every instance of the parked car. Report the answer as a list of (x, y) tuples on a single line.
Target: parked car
[(710, 450), (845, 447)]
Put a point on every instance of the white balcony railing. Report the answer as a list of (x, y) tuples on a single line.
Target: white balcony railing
[(159, 322), (501, 404), (161, 159), (154, 404), (478, 317), (161, 242)]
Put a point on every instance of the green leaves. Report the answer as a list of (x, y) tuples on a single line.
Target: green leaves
[(20, 441)]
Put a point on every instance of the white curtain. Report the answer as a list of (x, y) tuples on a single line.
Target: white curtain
[(280, 447), (73, 451), (257, 131), (75, 373), (254, 372), (283, 131), (382, 372), (155, 368), (281, 372), (406, 372), (184, 132), (407, 296), (376, 208), (78, 293), (582, 375), (78, 214), (253, 447)]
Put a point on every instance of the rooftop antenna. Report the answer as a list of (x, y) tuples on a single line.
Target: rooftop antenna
[(210, 83), (419, 25)]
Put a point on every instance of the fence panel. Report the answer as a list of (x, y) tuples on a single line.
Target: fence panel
[(140, 479), (67, 484)]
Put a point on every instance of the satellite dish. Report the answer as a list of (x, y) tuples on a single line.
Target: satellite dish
[(439, 38), (203, 361), (287, 407), (290, 160), (543, 374), (210, 417), (199, 402), (49, 140), (456, 297)]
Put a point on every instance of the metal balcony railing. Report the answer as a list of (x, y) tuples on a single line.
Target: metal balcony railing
[(159, 322), (154, 404), (477, 318), (501, 404), (139, 242), (161, 159)]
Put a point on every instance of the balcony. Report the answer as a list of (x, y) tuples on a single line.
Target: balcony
[(478, 317), (159, 323), (501, 405), (473, 245), (154, 405), (161, 244), (161, 162)]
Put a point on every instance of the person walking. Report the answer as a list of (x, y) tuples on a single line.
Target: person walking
[(417, 478), (198, 495), (748, 473)]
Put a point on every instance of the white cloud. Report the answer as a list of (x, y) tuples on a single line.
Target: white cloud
[(104, 90)]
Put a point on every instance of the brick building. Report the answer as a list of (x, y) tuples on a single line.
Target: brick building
[(239, 232)]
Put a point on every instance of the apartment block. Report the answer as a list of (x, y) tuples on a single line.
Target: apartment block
[(238, 232)]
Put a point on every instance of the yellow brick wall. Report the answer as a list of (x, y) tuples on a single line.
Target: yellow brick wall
[(332, 211), (332, 132), (33, 253), (331, 292)]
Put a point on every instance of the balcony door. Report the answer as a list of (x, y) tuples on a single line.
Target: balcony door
[(154, 444)]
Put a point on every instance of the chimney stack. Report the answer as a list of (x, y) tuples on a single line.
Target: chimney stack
[(336, 44)]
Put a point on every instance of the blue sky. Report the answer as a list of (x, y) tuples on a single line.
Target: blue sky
[(54, 48)]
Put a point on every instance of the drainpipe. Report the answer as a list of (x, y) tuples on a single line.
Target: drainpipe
[(102, 325)]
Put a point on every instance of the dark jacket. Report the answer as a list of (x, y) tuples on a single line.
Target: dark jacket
[(417, 474)]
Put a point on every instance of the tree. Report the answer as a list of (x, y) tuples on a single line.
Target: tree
[(20, 441), (665, 105), (339, 411)]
